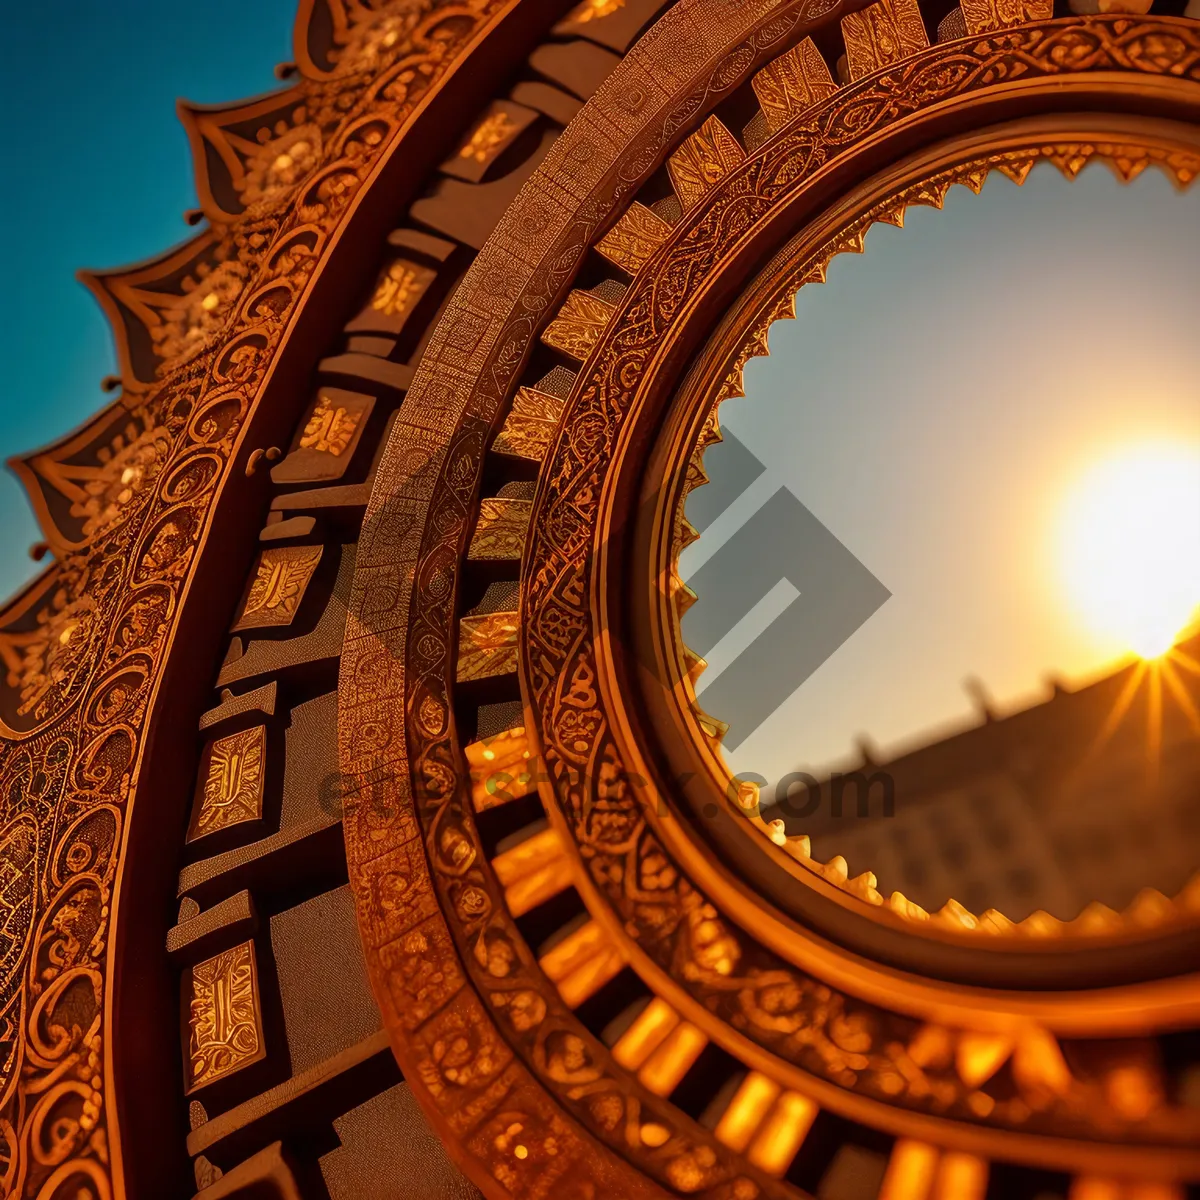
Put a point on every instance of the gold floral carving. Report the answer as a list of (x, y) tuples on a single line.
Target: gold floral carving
[(791, 83), (186, 325), (881, 34), (274, 169), (48, 663), (489, 136), (280, 580), (223, 1018), (131, 469), (515, 1004), (400, 286), (986, 16), (530, 426), (631, 241), (487, 646), (231, 782), (103, 471), (703, 159), (369, 38), (579, 324), (501, 529), (330, 428)]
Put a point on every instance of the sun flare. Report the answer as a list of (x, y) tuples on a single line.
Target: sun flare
[(1130, 545)]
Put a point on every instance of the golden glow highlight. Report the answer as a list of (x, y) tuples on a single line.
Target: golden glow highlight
[(1130, 546)]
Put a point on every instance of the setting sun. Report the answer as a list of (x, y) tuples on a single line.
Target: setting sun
[(1130, 545)]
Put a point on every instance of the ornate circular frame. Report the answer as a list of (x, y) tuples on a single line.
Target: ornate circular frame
[(955, 946), (877, 1020)]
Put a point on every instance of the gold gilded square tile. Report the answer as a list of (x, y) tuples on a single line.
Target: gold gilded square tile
[(501, 768), (986, 16), (230, 786), (400, 285), (579, 324), (495, 131), (329, 438), (487, 645), (711, 152), (330, 427), (791, 83), (529, 427), (635, 237), (501, 530), (224, 1016), (280, 579)]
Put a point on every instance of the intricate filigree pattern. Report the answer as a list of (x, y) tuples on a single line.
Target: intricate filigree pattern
[(986, 16), (399, 288), (331, 428), (486, 1033), (81, 678), (796, 1017), (530, 426), (634, 237), (1127, 161), (711, 152), (487, 646), (881, 34), (567, 1060), (500, 531), (578, 325), (793, 82)]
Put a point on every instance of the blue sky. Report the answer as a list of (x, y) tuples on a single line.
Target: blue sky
[(98, 174)]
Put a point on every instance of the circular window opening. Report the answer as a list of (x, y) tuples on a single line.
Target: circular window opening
[(948, 570)]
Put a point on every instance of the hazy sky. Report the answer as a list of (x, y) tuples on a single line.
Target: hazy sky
[(934, 404), (98, 174)]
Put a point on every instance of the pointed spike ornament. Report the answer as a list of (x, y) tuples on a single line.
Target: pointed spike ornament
[(1017, 167)]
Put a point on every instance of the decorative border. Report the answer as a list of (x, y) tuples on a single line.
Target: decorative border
[(796, 266)]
